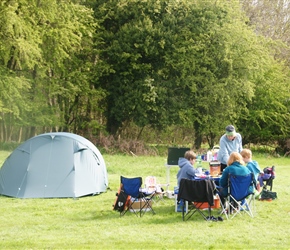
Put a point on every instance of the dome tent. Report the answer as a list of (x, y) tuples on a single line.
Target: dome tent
[(54, 165)]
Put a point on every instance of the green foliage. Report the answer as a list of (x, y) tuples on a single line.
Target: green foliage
[(194, 64), (7, 147), (268, 113), (142, 53), (14, 102), (20, 41), (49, 45), (107, 67)]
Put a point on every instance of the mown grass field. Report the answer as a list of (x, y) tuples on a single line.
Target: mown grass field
[(90, 222)]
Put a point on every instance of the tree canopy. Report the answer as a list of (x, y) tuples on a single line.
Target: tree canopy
[(197, 64), (97, 67)]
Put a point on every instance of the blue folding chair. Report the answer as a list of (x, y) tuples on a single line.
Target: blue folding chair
[(241, 198), (132, 187)]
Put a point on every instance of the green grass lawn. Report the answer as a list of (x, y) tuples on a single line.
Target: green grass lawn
[(90, 222)]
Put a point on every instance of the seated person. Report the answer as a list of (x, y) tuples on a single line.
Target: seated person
[(252, 165), (234, 166), (186, 169)]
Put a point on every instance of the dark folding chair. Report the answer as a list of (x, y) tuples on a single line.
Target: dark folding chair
[(270, 172), (132, 187), (196, 193), (268, 183), (241, 198)]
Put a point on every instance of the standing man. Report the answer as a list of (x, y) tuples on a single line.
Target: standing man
[(230, 142)]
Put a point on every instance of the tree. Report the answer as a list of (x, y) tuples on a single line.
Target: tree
[(268, 117), (19, 52), (49, 44), (130, 46), (269, 113), (193, 63)]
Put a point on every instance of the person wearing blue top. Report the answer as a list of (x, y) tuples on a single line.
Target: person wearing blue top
[(252, 165), (186, 169), (235, 167), (230, 142)]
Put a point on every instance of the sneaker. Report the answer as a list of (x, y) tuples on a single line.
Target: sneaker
[(212, 218)]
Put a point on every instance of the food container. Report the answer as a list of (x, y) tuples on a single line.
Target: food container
[(214, 168)]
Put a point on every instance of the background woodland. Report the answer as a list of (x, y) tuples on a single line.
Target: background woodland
[(128, 72)]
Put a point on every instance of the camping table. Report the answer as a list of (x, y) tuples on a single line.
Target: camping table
[(168, 167), (216, 179)]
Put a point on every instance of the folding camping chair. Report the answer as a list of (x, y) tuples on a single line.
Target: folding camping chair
[(140, 202), (152, 186), (268, 177), (196, 193), (241, 198)]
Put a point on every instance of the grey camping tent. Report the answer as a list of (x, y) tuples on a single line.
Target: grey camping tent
[(54, 165)]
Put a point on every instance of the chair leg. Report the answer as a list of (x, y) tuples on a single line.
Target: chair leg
[(140, 207), (130, 207), (187, 213), (183, 211), (223, 205), (147, 204), (271, 184), (245, 206)]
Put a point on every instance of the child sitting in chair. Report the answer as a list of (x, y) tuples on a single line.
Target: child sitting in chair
[(252, 165)]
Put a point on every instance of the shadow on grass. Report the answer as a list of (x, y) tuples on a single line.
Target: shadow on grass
[(164, 214)]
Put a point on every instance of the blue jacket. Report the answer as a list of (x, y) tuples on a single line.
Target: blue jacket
[(254, 167), (186, 170), (228, 146), (237, 169)]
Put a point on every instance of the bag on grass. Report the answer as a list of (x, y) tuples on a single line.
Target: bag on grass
[(266, 194), (121, 202)]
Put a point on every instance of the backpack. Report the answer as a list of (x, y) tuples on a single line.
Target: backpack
[(122, 200)]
